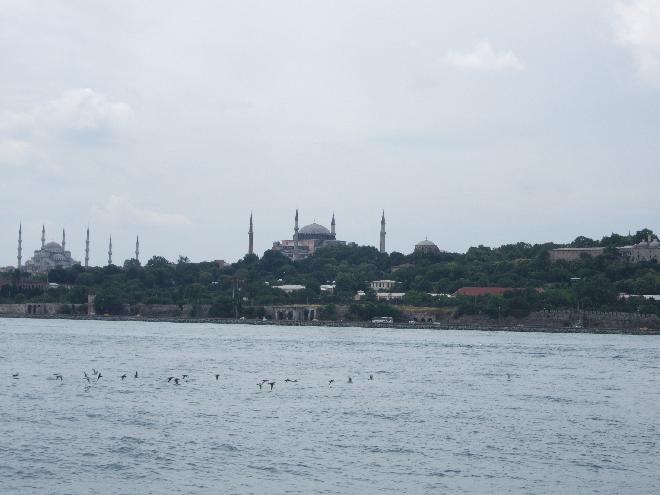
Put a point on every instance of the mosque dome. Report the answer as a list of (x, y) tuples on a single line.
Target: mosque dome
[(426, 246), (314, 228), (53, 246)]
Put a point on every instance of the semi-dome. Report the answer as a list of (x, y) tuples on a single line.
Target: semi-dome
[(314, 228)]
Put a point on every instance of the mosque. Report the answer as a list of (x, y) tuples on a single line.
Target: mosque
[(51, 255), (309, 238)]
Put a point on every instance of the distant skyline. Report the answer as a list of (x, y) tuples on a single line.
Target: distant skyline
[(471, 123)]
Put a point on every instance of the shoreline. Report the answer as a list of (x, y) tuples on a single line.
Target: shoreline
[(347, 324)]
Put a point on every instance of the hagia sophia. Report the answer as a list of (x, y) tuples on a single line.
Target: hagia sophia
[(305, 242)]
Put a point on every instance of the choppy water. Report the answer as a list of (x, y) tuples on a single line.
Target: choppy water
[(580, 413)]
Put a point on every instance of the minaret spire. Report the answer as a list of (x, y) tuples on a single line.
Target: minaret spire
[(20, 243), (382, 233), (63, 240), (43, 236), (332, 224), (110, 251), (251, 237), (87, 249), (137, 249), (295, 238)]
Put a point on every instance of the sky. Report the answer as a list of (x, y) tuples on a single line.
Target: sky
[(469, 123)]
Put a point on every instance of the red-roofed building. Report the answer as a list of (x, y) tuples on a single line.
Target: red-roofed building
[(487, 291)]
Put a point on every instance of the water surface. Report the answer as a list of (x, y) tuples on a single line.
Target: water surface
[(447, 411)]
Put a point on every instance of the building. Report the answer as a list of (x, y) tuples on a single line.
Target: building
[(51, 255), (488, 291), (648, 250), (426, 247), (390, 296), (574, 254), (289, 288), (307, 240), (382, 285)]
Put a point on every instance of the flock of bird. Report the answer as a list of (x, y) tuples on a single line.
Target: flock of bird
[(97, 375)]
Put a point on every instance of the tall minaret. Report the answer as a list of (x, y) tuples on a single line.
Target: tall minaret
[(295, 238), (382, 233), (20, 247), (43, 236), (251, 237), (137, 249), (87, 249), (110, 251), (63, 240), (332, 224)]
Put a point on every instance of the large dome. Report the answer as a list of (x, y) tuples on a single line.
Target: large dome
[(53, 246), (426, 243), (314, 228)]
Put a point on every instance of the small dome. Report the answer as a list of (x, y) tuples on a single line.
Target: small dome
[(314, 228)]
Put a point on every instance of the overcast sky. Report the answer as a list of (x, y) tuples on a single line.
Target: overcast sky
[(473, 122)]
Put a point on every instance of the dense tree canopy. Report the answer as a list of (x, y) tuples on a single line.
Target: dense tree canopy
[(245, 286)]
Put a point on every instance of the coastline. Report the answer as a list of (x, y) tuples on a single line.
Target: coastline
[(347, 324)]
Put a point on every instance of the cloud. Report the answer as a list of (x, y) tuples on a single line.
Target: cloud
[(121, 210), (13, 151), (638, 28), (79, 116), (484, 57)]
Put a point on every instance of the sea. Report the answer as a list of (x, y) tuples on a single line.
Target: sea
[(456, 412)]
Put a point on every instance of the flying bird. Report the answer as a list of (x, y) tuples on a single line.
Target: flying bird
[(290, 380), (371, 377), (176, 381), (99, 376), (58, 376), (350, 380), (169, 379), (217, 376), (15, 375), (123, 376), (136, 375), (260, 385), (272, 384), (330, 382)]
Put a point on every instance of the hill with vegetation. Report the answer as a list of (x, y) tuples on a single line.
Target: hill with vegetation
[(428, 280)]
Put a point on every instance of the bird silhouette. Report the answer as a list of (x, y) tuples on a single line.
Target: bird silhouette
[(184, 377), (176, 381), (99, 376), (330, 382), (169, 379), (14, 375), (350, 380), (371, 377), (123, 376), (136, 375), (290, 380), (260, 385), (272, 384), (58, 376), (217, 377)]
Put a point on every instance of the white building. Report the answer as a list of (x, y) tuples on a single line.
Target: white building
[(382, 285)]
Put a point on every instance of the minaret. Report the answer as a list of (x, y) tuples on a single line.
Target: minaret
[(137, 249), (332, 225), (251, 237), (43, 236), (63, 240), (20, 247), (382, 233), (110, 251), (295, 238), (87, 249)]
